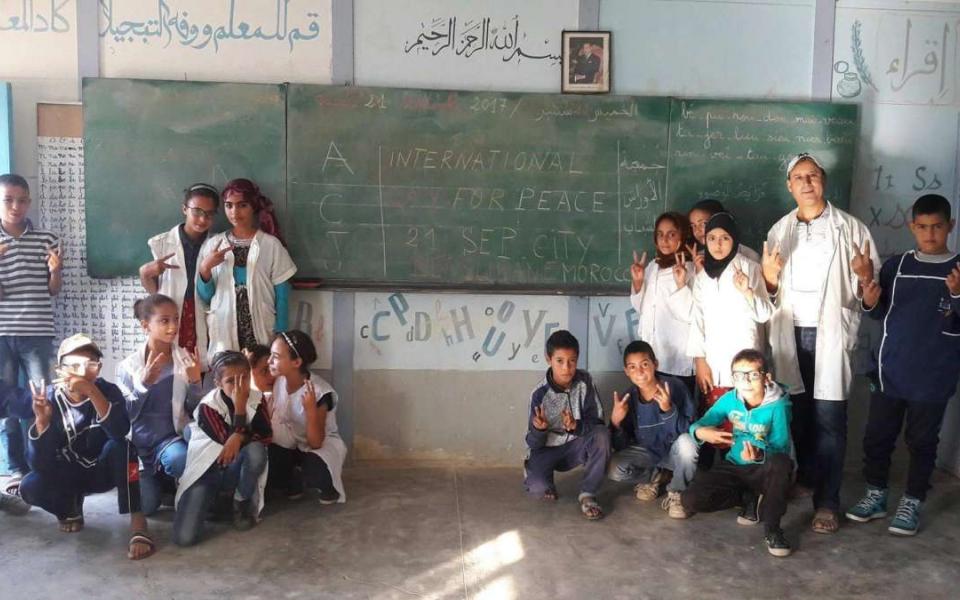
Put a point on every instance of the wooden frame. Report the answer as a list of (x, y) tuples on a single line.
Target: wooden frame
[(586, 62)]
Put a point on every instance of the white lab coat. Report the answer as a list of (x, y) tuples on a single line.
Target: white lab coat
[(268, 264), (173, 283), (724, 322), (664, 317), (840, 309)]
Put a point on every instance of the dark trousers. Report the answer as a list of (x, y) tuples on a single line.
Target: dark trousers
[(922, 435), (316, 474), (722, 487), (819, 429), (592, 450), (60, 489)]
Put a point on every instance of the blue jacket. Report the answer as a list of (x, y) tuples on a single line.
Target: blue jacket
[(920, 349), (645, 425), (581, 399)]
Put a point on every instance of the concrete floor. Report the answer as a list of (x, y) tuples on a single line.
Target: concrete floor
[(444, 532)]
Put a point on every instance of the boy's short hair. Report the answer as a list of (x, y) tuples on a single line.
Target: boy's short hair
[(14, 180), (752, 356), (708, 205), (562, 339), (638, 347), (931, 204)]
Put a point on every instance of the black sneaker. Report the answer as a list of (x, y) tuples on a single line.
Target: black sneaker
[(328, 497), (243, 519), (777, 543), (750, 512)]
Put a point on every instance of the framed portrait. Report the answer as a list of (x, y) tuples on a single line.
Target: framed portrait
[(586, 62)]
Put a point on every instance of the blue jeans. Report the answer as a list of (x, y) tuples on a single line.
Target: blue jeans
[(592, 450), (635, 464), (819, 429), (31, 355), (240, 479), (171, 461)]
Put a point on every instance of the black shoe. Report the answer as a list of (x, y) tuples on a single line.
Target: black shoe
[(777, 543), (295, 485), (243, 519), (750, 512), (328, 497)]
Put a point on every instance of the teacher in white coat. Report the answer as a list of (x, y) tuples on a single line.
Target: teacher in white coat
[(816, 261)]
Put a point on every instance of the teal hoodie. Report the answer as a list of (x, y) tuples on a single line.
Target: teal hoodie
[(766, 426)]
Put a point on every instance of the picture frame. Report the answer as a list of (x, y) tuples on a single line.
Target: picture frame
[(586, 62)]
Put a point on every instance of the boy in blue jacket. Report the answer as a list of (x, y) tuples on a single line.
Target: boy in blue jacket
[(758, 461), (648, 431), (918, 299), (565, 428)]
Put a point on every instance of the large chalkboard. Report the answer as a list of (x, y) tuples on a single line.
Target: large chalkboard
[(145, 141), (448, 190)]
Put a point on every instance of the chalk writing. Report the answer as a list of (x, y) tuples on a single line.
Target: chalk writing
[(169, 24), (48, 17), (467, 37)]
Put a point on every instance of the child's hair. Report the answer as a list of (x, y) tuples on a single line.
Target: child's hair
[(751, 356), (682, 223), (562, 339), (709, 206), (262, 205), (931, 204), (144, 308), (638, 347), (14, 180), (257, 352), (301, 346), (228, 358), (204, 190)]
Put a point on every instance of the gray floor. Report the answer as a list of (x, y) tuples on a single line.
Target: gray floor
[(446, 532)]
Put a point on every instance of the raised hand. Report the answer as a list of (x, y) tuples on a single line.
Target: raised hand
[(54, 261), (680, 269), (772, 264), (704, 375), (862, 264), (569, 423), (157, 267), (153, 368), (620, 409), (192, 366), (539, 420), (73, 384), (871, 293), (241, 394), (698, 259), (953, 280), (662, 396), (42, 410), (309, 398), (742, 282), (214, 259), (637, 270)]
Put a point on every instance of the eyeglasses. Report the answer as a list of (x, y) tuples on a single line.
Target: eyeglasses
[(81, 364), (741, 376), (200, 213)]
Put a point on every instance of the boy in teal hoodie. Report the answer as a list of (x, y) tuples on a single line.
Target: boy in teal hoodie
[(759, 460)]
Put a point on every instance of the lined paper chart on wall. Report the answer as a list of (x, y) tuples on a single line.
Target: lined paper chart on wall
[(101, 308)]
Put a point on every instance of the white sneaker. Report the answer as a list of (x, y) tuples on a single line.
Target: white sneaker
[(673, 506)]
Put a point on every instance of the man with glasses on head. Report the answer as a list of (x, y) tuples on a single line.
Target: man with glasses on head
[(816, 262), (173, 270), (78, 446)]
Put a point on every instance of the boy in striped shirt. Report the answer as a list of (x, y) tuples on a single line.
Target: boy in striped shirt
[(30, 273)]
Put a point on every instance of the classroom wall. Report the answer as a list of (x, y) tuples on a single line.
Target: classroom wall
[(447, 376)]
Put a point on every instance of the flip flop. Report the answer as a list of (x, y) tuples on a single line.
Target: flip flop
[(550, 495), (71, 524), (825, 521), (590, 508), (140, 537)]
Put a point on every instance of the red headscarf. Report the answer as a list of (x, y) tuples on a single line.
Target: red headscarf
[(262, 206)]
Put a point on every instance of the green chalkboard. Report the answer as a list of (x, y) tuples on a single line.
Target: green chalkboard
[(737, 152), (145, 141), (457, 189)]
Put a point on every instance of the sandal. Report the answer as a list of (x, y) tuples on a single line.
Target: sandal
[(71, 524), (141, 538), (590, 508), (550, 495), (13, 484), (825, 521)]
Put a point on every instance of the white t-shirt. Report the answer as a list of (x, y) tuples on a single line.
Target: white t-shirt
[(810, 261)]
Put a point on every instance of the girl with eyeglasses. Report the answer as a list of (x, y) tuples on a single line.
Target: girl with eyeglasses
[(173, 269), (306, 451), (243, 274)]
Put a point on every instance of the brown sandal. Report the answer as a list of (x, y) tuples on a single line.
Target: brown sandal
[(825, 521)]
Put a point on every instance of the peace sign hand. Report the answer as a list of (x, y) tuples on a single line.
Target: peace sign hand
[(862, 263), (157, 267), (153, 368), (214, 259), (698, 258), (772, 264), (680, 269), (569, 423), (192, 366), (742, 282), (54, 261), (539, 421), (42, 410), (637, 271), (620, 409), (662, 396)]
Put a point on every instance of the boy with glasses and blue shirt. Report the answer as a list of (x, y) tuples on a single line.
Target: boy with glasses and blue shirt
[(758, 463)]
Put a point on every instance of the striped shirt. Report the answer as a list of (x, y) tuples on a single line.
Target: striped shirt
[(25, 305)]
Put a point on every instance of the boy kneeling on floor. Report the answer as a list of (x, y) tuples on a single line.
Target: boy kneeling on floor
[(565, 427), (757, 471)]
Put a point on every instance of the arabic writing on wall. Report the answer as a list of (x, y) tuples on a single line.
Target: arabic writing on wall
[(466, 37), (170, 21), (45, 16)]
